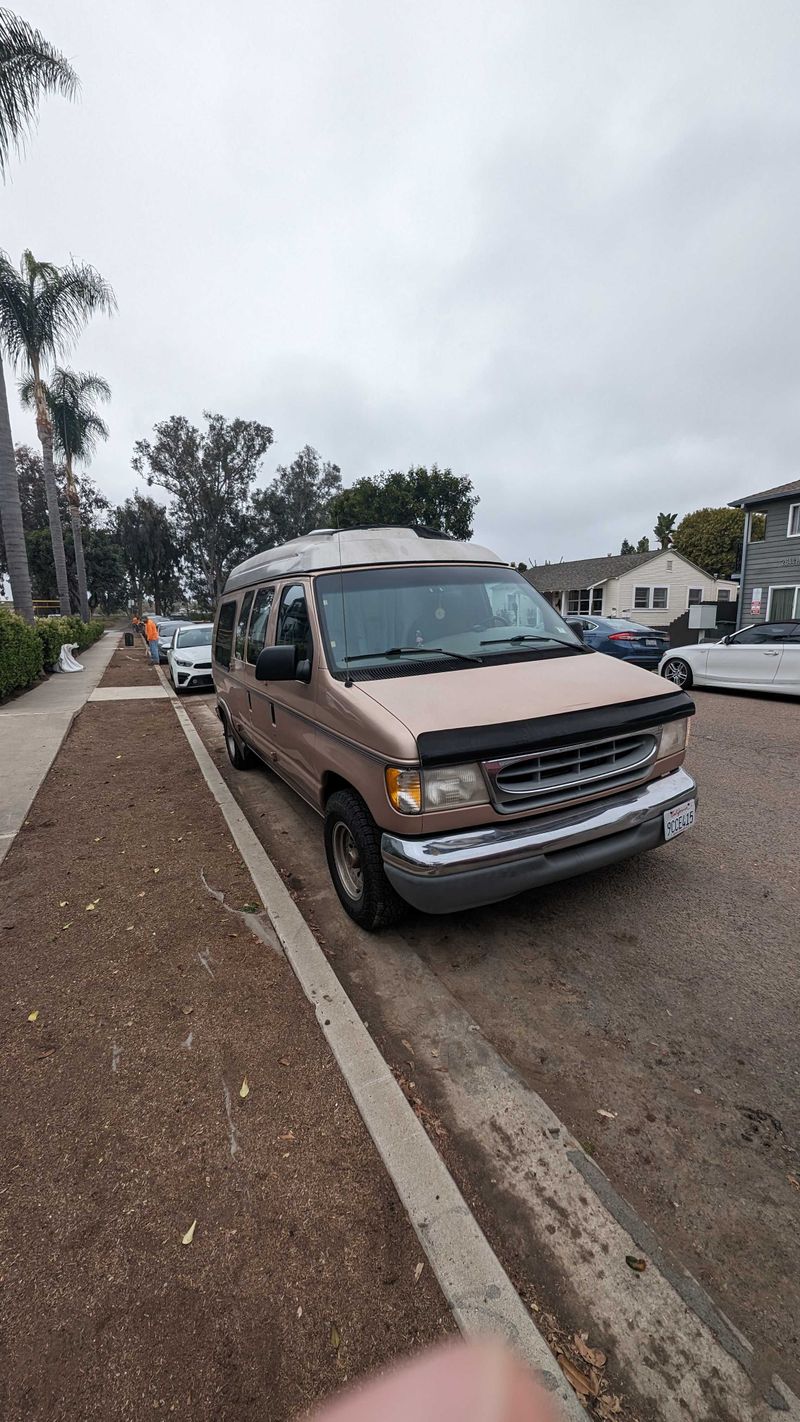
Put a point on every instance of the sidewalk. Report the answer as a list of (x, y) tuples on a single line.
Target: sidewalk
[(32, 728), (163, 1078)]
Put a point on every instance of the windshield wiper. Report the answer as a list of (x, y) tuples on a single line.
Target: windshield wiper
[(529, 637), (412, 652)]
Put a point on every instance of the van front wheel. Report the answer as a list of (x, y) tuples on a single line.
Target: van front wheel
[(239, 755), (353, 848)]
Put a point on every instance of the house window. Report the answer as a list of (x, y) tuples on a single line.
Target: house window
[(655, 598), (723, 595), (783, 603), (584, 600), (793, 530), (695, 596)]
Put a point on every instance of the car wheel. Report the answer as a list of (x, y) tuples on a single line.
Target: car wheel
[(353, 849), (678, 671), (238, 754)]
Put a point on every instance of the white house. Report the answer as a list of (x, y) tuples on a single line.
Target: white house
[(652, 588)]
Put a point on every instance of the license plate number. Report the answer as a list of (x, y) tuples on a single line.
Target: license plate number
[(678, 819), (650, 642)]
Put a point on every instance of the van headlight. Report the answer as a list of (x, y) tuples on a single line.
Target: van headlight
[(674, 738), (451, 786)]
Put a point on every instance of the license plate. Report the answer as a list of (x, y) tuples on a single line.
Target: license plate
[(650, 642), (678, 819)]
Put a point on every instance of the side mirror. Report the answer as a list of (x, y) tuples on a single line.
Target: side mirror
[(726, 641), (577, 628), (277, 664)]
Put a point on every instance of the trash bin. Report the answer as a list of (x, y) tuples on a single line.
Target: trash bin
[(128, 639)]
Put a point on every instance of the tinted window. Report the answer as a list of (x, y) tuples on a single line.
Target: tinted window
[(293, 629), (223, 644), (258, 623), (765, 632), (241, 626)]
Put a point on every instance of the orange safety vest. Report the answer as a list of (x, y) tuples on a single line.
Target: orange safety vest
[(150, 630)]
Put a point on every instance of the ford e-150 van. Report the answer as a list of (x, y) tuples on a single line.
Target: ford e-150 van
[(459, 740)]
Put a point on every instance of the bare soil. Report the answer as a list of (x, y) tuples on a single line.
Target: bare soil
[(131, 666), (122, 1120)]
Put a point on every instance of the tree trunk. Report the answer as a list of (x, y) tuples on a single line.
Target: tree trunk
[(77, 540), (44, 429), (11, 514)]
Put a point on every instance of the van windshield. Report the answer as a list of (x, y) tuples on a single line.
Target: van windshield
[(453, 611)]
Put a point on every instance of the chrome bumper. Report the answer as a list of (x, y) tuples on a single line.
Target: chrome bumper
[(445, 872)]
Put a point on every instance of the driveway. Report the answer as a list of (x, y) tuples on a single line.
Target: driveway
[(663, 992)]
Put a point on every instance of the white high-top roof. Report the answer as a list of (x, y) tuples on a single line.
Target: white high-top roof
[(326, 548)]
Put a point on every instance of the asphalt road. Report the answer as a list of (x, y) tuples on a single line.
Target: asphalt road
[(664, 991)]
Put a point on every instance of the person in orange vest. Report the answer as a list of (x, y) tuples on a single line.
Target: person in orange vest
[(151, 633)]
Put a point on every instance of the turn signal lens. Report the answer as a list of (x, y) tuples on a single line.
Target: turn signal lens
[(674, 738), (404, 790)]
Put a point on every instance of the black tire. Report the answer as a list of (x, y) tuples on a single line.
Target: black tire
[(364, 891), (241, 758), (175, 686), (678, 672)]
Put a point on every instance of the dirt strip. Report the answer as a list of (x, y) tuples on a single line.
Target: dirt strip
[(130, 666), (159, 1066)]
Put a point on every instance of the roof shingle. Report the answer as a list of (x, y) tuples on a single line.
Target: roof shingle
[(780, 491), (560, 577)]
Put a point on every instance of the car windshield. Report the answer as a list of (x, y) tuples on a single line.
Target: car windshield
[(454, 611), (193, 636), (166, 629)]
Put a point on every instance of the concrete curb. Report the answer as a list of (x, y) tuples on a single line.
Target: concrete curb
[(474, 1283)]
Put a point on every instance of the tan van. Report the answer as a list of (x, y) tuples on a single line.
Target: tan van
[(459, 740)]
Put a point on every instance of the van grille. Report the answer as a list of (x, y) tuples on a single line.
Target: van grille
[(569, 772)]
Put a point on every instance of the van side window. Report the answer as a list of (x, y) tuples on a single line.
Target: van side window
[(223, 642), (241, 626), (293, 627), (258, 623)]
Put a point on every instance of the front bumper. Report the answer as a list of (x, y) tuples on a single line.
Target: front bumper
[(189, 680), (446, 872)]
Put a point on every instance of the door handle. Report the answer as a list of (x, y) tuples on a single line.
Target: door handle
[(772, 654)]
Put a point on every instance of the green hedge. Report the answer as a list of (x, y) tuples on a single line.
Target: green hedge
[(53, 632), (20, 653)]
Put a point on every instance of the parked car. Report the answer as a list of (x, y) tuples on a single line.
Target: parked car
[(460, 742), (629, 641), (189, 656), (765, 656), (167, 627)]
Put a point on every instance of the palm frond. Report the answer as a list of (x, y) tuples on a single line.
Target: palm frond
[(43, 307), (29, 68), (77, 428)]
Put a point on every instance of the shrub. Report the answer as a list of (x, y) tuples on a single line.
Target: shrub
[(53, 632), (20, 653)]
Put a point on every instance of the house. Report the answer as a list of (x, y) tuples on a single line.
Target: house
[(770, 571), (653, 588)]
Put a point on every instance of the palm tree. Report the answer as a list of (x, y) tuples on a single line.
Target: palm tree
[(29, 68), (42, 310), (664, 529), (76, 430)]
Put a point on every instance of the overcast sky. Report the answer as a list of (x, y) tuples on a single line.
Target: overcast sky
[(552, 245)]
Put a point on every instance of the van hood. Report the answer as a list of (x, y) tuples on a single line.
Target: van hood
[(524, 691)]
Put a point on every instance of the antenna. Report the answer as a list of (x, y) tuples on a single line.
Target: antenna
[(348, 680)]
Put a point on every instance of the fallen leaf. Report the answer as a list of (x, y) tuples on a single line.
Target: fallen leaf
[(244, 1089), (419, 1270), (119, 757), (300, 1311), (607, 1115), (793, 1180), (335, 1337), (251, 908), (156, 871), (289, 1136), (63, 903), (189, 1235), (66, 925), (595, 1357), (129, 929), (638, 1265), (141, 895), (32, 1016), (577, 1380), (284, 1061), (434, 1051), (608, 1405), (90, 908), (407, 1045), (97, 838)]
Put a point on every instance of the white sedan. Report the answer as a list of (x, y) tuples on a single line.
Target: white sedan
[(189, 656), (762, 657)]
